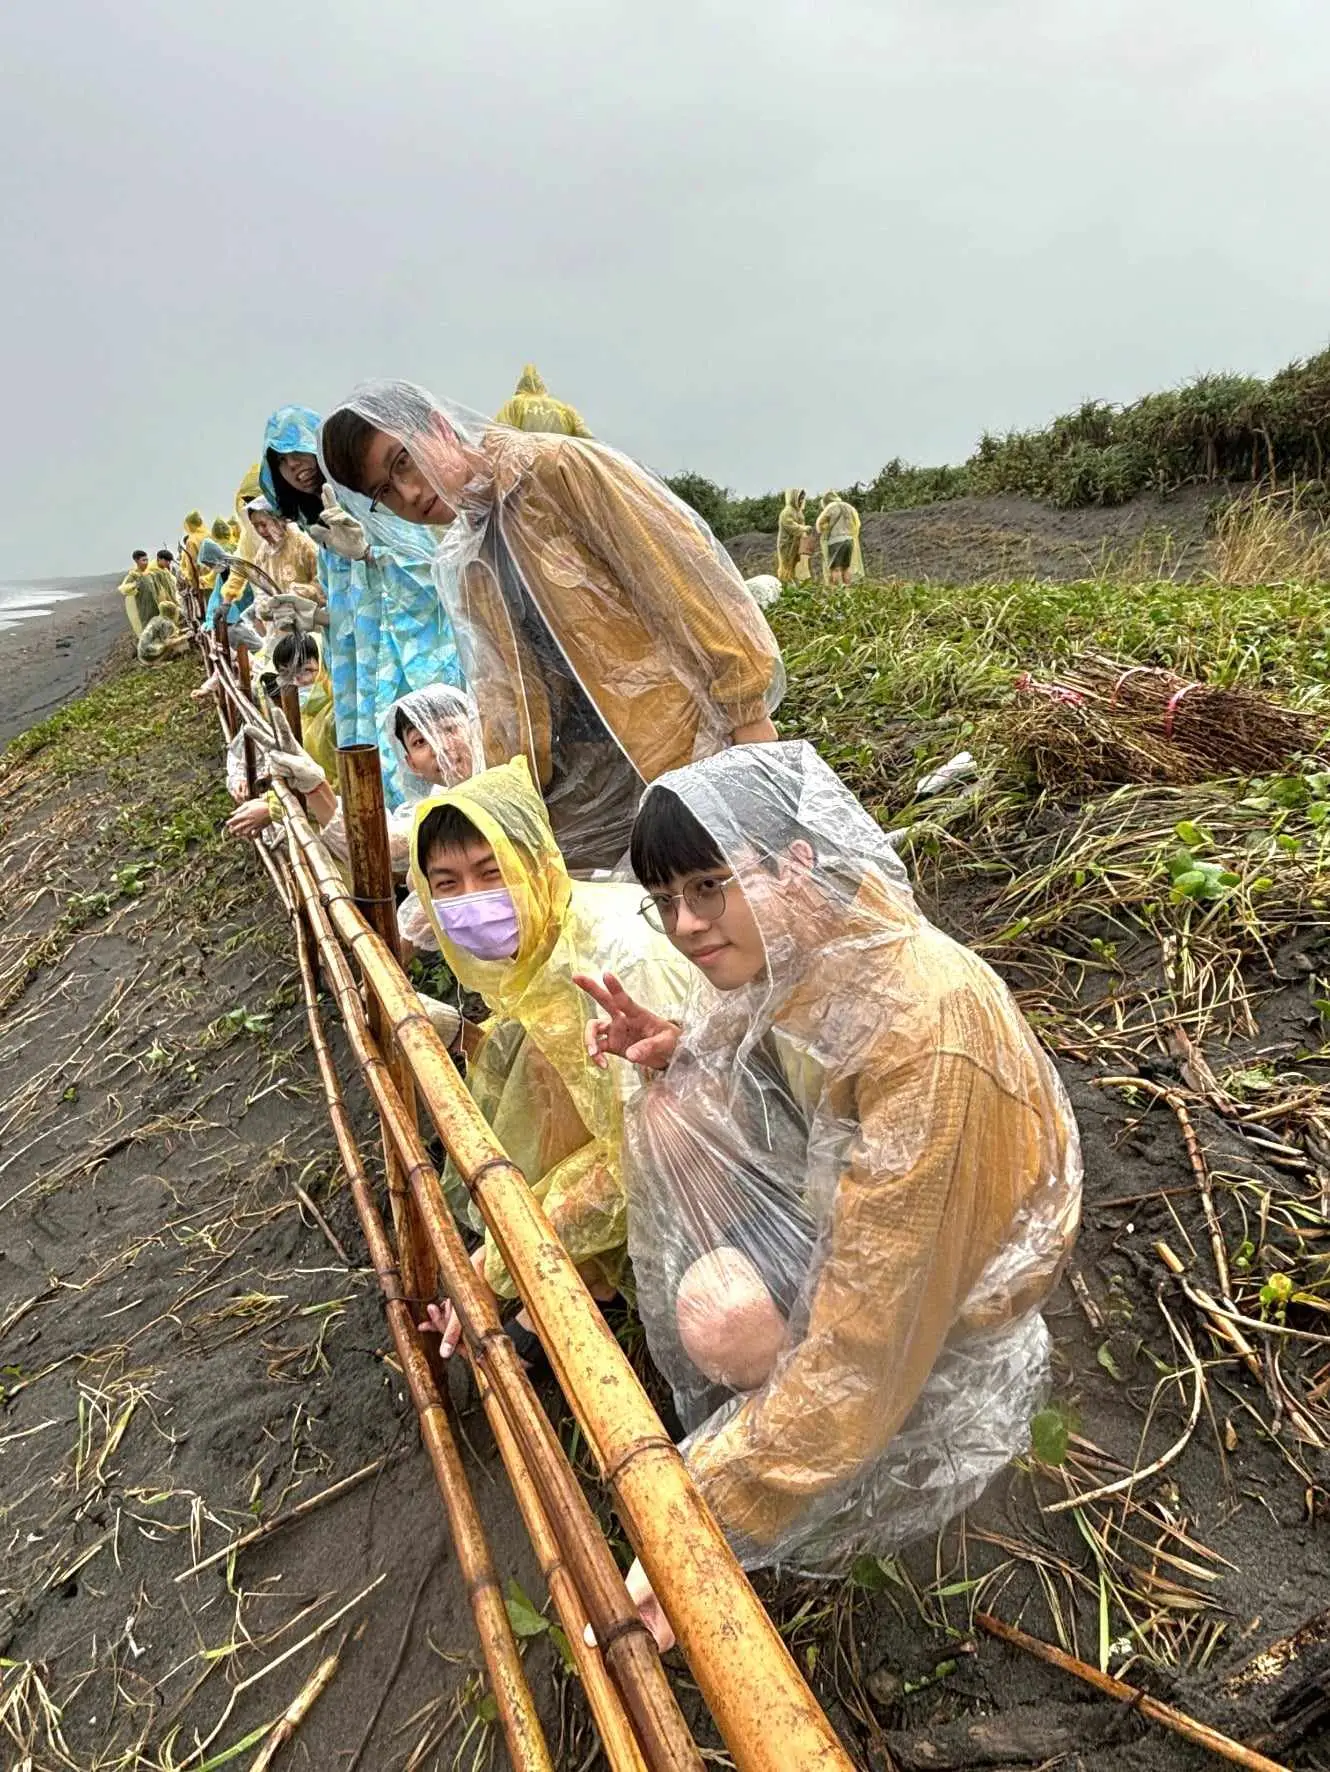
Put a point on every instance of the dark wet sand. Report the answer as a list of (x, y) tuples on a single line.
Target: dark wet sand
[(49, 659)]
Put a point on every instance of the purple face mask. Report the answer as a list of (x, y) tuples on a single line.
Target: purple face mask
[(481, 923)]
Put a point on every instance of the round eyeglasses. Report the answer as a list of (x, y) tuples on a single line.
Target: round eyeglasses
[(705, 898)]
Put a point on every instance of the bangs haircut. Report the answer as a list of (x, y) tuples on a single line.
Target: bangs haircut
[(447, 827), (669, 841), (402, 724), (344, 441), (292, 504), (294, 650)]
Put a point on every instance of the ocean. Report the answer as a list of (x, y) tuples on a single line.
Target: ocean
[(22, 599)]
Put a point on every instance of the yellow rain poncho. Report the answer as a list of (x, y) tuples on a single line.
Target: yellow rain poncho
[(195, 534), (838, 525), (245, 542), (791, 563), (557, 1115), (872, 1126), (533, 408), (144, 590)]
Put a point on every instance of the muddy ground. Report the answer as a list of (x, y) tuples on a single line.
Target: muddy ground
[(185, 1353), (988, 540)]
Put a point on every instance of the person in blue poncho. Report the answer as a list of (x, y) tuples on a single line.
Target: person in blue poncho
[(388, 630)]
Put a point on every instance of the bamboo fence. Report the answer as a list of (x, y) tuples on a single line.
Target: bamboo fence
[(768, 1718)]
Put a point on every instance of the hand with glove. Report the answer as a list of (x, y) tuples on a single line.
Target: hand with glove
[(443, 1018), (338, 531), (283, 758), (289, 613)]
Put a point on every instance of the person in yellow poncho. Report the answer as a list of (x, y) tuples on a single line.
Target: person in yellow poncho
[(604, 632), (282, 552), (514, 928), (196, 533), (791, 562), (533, 408), (838, 526), (851, 1186), (146, 589)]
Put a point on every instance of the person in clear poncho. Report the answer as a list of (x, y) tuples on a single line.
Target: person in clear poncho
[(388, 630), (532, 407), (838, 526), (852, 1184), (605, 634), (791, 562), (516, 929)]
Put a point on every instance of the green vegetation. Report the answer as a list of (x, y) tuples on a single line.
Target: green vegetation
[(1216, 430)]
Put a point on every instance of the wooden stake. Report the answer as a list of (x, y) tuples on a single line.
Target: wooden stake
[(366, 819), (1181, 1724), (251, 770)]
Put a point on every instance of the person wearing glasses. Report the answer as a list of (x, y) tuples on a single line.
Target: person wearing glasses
[(514, 928), (851, 1182)]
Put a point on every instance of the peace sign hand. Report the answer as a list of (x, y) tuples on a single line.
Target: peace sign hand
[(627, 1029)]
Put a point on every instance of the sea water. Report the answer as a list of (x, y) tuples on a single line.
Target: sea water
[(22, 599)]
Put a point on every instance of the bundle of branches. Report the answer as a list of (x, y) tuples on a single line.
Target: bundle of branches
[(1223, 731), (1073, 742)]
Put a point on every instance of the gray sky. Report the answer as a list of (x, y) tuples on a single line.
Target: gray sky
[(770, 240)]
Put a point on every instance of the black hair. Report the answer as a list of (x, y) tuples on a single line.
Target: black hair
[(345, 440), (294, 505), (447, 827), (668, 840), (402, 725), (294, 650), (165, 554), (139, 554)]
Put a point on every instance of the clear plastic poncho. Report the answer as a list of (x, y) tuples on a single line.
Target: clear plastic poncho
[(558, 1116), (447, 720), (868, 1149), (605, 634), (387, 632), (791, 562)]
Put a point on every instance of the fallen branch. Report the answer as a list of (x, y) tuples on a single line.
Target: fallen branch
[(298, 1709), (1178, 1721), (298, 1512), (1196, 1157)]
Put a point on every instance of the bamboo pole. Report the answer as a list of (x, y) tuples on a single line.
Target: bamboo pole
[(1178, 1721), (291, 708), (246, 689), (612, 1723), (627, 1647), (360, 776), (762, 1706), (516, 1708)]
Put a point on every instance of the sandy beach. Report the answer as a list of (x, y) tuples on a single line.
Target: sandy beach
[(53, 654)]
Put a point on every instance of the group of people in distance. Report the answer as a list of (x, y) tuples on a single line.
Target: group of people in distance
[(755, 1090)]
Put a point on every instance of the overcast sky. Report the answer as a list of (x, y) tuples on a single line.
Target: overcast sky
[(769, 240)]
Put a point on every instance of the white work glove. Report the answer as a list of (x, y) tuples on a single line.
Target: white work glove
[(338, 530), (284, 759), (443, 1018), (289, 613)]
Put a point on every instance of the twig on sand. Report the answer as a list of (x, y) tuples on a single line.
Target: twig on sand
[(398, 1659), (299, 1708), (1225, 1324), (1178, 1721), (1195, 1155), (1165, 1458), (298, 1512), (323, 1224)]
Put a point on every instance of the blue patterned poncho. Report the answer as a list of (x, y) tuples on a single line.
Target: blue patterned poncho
[(388, 630)]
